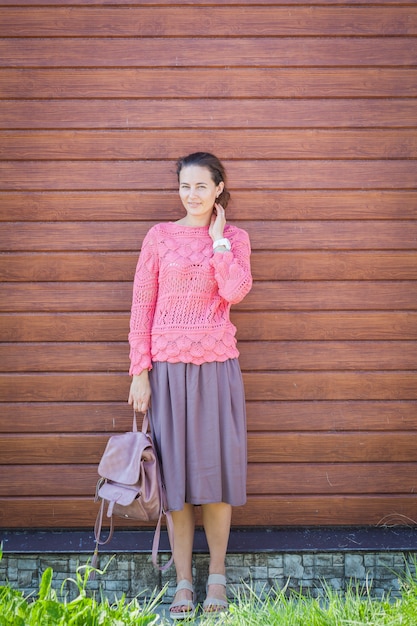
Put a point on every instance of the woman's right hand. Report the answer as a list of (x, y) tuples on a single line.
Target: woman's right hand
[(140, 392)]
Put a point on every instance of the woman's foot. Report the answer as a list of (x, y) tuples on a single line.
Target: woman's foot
[(216, 600), (183, 605)]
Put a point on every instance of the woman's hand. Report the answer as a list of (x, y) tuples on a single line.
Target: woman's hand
[(140, 392), (218, 222)]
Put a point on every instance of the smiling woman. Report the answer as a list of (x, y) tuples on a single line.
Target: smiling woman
[(198, 194), (202, 179), (184, 355)]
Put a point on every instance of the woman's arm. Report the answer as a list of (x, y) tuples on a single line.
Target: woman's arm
[(232, 268), (140, 392), (145, 290)]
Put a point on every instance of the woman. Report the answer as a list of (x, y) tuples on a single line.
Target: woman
[(183, 354)]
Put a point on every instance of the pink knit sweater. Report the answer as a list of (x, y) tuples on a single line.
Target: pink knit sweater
[(182, 295)]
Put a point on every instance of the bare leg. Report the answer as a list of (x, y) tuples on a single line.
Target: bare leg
[(216, 520), (183, 549)]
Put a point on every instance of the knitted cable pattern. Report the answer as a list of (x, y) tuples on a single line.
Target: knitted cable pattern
[(182, 294)]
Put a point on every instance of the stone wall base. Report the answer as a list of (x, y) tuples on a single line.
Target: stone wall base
[(134, 574)]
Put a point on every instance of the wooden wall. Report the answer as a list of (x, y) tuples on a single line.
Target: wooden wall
[(312, 106)]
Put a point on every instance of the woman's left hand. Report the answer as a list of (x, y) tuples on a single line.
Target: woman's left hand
[(218, 222)]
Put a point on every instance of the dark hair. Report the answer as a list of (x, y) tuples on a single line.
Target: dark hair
[(215, 167)]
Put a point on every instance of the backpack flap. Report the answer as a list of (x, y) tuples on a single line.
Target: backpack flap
[(114, 492), (122, 457)]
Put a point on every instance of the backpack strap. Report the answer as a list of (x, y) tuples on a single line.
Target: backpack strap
[(156, 538), (163, 511), (157, 533), (98, 525), (98, 540), (145, 423)]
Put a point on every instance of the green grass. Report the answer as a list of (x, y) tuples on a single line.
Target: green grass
[(353, 607), (51, 608)]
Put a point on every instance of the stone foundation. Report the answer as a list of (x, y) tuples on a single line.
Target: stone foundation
[(134, 574)]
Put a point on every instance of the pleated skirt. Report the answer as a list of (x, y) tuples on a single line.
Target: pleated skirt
[(198, 422)]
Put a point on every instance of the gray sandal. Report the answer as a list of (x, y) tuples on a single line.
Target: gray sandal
[(215, 605), (189, 606)]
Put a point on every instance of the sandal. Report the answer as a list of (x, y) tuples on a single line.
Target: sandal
[(188, 611), (211, 604)]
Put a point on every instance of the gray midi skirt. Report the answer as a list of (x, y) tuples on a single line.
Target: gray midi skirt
[(198, 422)]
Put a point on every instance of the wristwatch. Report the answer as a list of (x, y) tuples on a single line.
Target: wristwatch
[(222, 242)]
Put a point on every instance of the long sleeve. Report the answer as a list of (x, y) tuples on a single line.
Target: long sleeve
[(145, 291), (232, 269), (182, 294)]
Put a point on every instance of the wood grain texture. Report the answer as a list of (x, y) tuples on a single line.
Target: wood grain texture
[(166, 21), (277, 511), (272, 416), (271, 265), (260, 386), (254, 355), (278, 326), (360, 385), (262, 448), (263, 479), (208, 83), (264, 296), (265, 235), (256, 144), (57, 3), (262, 204), (311, 104), (211, 52), (148, 175)]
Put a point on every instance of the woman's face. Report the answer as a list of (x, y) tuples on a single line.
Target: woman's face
[(198, 192)]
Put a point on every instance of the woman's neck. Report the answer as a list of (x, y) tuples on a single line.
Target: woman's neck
[(192, 222)]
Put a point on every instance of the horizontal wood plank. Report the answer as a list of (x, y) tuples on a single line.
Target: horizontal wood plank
[(255, 144), (300, 205), (266, 386), (147, 175), (264, 235), (338, 265), (254, 355), (218, 21), (331, 325), (278, 511), (264, 296), (262, 448), (57, 3), (277, 326), (263, 479), (337, 478), (317, 265), (316, 355), (331, 386), (328, 415), (271, 83), (342, 295), (272, 416), (211, 52), (323, 447)]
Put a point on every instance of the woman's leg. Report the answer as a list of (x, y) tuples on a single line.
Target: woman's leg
[(216, 521), (183, 549)]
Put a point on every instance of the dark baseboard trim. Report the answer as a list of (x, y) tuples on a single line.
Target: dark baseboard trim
[(242, 540)]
